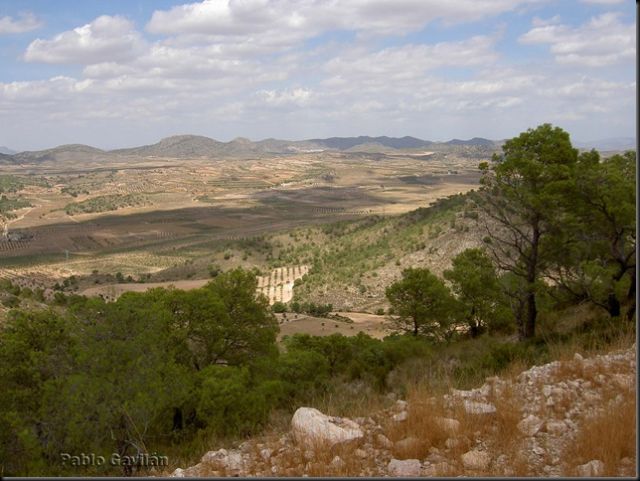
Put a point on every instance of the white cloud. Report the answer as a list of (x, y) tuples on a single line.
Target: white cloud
[(105, 39), (411, 61), (243, 67), (296, 97), (26, 22), (289, 21), (602, 41)]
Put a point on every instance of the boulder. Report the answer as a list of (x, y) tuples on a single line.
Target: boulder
[(310, 427), (405, 468)]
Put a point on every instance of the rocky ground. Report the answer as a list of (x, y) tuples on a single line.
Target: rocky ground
[(538, 423)]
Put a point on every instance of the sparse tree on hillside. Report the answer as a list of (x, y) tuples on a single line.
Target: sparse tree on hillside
[(475, 283), (521, 200), (421, 302), (595, 252)]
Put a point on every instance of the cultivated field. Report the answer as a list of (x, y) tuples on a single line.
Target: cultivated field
[(277, 286), (149, 215), (373, 325)]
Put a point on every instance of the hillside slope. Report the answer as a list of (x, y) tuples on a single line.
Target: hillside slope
[(566, 418), (353, 262)]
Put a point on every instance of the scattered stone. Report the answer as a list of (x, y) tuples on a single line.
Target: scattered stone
[(400, 417), (384, 441), (461, 394), (361, 453), (539, 451), (266, 453), (578, 357), (405, 468), (476, 460), (309, 427), (442, 468), (595, 467), (178, 473), (556, 428), (530, 425), (429, 470), (401, 405), (229, 461), (624, 381), (475, 407), (215, 459)]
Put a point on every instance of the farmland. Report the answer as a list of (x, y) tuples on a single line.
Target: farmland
[(160, 219)]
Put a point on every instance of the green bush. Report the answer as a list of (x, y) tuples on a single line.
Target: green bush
[(231, 404), (279, 307)]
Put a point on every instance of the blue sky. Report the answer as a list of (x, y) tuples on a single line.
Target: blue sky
[(119, 73)]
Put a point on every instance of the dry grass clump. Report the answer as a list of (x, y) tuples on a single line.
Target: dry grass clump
[(423, 428), (610, 436), (317, 459)]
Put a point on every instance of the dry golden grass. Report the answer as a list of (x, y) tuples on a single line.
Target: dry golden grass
[(422, 425), (349, 400), (609, 436), (318, 459), (498, 431)]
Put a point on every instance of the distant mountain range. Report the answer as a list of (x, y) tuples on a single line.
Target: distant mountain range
[(6, 150), (197, 146), (612, 143), (345, 143)]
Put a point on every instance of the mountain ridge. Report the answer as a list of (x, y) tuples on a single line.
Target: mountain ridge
[(199, 146)]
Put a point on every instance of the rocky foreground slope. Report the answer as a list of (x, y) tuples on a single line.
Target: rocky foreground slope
[(566, 418)]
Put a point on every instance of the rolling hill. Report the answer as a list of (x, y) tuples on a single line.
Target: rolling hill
[(197, 146)]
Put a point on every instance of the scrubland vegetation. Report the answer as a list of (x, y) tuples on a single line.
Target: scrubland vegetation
[(176, 372), (9, 204), (105, 203)]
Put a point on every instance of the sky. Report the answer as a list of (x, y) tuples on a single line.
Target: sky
[(121, 73)]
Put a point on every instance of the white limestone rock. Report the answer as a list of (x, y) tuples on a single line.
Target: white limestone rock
[(310, 427)]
